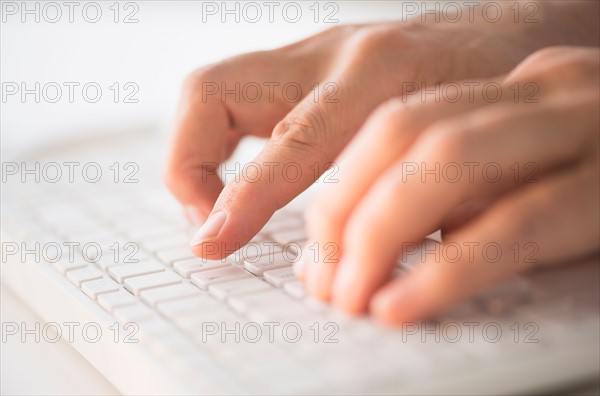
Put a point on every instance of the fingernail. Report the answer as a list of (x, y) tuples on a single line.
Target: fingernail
[(210, 228), (194, 215)]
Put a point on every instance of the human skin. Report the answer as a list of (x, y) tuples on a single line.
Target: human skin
[(369, 65), (541, 208)]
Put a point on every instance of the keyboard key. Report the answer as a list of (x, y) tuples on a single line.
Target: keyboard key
[(124, 271), (74, 231), (295, 248), (138, 283), (129, 254), (295, 289), (276, 225), (105, 241), (258, 265), (179, 239), (99, 286), (290, 236), (242, 303), (110, 206), (223, 290), (169, 256), (132, 225), (206, 278), (279, 276), (253, 250), (234, 259), (186, 267), (171, 292), (194, 323), (77, 276), (260, 238), (187, 305), (144, 233), (65, 265), (112, 300), (283, 311)]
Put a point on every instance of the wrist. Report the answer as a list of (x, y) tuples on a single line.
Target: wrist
[(489, 39)]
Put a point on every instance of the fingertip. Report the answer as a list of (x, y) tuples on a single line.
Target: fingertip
[(383, 308), (350, 307), (317, 281), (348, 292), (210, 250), (320, 272), (396, 302), (210, 228)]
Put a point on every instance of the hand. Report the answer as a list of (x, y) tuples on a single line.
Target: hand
[(519, 174), (342, 75)]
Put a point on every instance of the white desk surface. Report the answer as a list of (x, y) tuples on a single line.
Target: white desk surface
[(43, 368)]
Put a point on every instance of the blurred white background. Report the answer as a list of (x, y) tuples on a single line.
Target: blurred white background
[(169, 40)]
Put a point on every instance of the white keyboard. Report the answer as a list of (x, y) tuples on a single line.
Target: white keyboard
[(172, 323)]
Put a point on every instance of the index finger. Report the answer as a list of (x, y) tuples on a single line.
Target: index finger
[(202, 139)]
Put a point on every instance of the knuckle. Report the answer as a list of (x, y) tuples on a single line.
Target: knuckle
[(545, 55), (198, 81), (445, 141), (396, 115), (340, 30), (562, 64), (373, 39), (391, 110), (390, 121), (305, 132)]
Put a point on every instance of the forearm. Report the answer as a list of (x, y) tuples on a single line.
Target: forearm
[(537, 23)]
